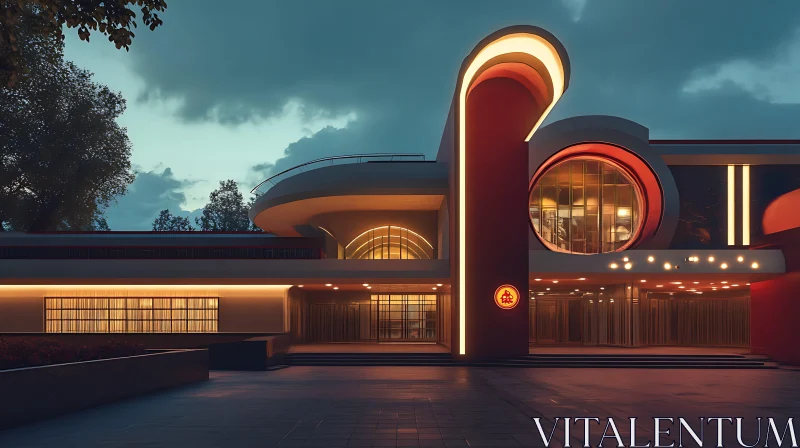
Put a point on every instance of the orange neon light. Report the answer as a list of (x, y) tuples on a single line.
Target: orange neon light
[(525, 43)]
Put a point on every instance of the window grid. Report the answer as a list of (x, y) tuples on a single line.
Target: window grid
[(389, 243), (405, 316), (585, 205), (131, 314)]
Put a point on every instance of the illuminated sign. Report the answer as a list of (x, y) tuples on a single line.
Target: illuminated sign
[(506, 297)]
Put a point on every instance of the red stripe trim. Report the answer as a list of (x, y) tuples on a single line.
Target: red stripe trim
[(725, 142)]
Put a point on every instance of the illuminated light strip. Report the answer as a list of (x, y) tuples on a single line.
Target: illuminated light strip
[(746, 205), (731, 205), (358, 249), (544, 51), (166, 287), (326, 231)]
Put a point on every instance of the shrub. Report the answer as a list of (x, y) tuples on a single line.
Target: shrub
[(41, 351)]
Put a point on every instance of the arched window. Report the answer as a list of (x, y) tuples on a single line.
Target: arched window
[(389, 243), (586, 205)]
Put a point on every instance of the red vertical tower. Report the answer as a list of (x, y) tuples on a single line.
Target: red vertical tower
[(506, 87)]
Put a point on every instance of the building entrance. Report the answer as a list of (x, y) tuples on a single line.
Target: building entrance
[(378, 318), (624, 316)]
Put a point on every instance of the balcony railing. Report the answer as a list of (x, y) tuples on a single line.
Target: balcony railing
[(264, 186)]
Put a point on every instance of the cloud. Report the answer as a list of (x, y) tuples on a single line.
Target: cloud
[(151, 192), (575, 7), (774, 80), (392, 69)]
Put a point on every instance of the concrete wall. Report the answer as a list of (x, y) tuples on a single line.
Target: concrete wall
[(28, 394), (443, 232)]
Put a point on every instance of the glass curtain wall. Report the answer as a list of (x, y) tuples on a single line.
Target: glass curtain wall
[(389, 243), (585, 205)]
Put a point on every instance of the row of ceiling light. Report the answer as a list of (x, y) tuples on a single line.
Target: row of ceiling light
[(628, 265)]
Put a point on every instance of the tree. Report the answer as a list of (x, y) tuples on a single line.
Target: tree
[(253, 227), (167, 222), (63, 157), (47, 19), (225, 210)]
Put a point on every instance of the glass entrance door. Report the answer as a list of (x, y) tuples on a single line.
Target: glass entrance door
[(405, 317)]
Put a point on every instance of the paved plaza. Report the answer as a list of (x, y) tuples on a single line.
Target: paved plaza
[(415, 406)]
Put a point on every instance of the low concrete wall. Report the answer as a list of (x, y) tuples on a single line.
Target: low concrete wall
[(36, 393), (147, 340), (252, 354)]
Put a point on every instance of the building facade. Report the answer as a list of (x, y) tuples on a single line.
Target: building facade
[(581, 232)]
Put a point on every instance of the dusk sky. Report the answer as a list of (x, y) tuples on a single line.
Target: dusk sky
[(246, 91)]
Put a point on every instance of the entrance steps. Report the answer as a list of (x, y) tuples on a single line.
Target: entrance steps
[(369, 359), (616, 361), (637, 361)]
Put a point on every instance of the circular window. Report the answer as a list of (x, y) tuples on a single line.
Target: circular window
[(586, 205)]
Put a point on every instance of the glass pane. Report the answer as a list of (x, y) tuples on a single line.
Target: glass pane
[(585, 205)]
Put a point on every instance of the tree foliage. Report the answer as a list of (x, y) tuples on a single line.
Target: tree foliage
[(47, 18), (63, 157), (167, 222), (225, 211)]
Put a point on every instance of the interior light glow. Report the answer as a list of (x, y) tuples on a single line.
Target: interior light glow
[(754, 265), (711, 259), (731, 205), (676, 283), (696, 283), (748, 284), (735, 285), (651, 259), (613, 266), (434, 288), (625, 259), (369, 287), (577, 290), (724, 283), (555, 281), (366, 284), (530, 44), (659, 286), (643, 281), (547, 289), (628, 266), (582, 278), (698, 292), (403, 229), (740, 258), (299, 286), (724, 266), (746, 205), (335, 287), (439, 285), (726, 287), (601, 288), (681, 287), (328, 284), (538, 279), (667, 266)]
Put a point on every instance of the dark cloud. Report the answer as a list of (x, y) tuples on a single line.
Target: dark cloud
[(150, 192), (394, 64)]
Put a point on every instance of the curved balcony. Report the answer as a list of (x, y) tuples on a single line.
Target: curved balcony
[(270, 182)]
